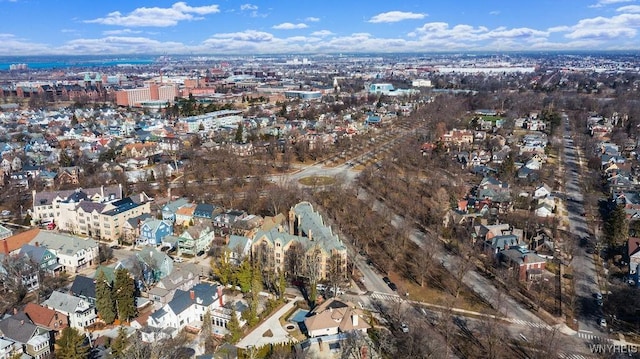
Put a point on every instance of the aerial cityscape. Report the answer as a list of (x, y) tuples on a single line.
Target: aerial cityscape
[(320, 180)]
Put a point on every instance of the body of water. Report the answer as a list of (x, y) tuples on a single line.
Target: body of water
[(49, 63)]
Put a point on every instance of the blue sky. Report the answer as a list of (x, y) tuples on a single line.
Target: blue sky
[(74, 27)]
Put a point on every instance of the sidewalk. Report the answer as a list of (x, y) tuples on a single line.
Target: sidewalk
[(256, 337)]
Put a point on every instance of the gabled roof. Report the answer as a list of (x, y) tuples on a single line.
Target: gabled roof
[(174, 205), (336, 313), (43, 316), (63, 302), (16, 241), (203, 210), (18, 329), (83, 287), (204, 294)]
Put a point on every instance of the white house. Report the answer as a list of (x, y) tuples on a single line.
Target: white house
[(187, 308), (73, 253), (81, 314), (542, 191), (544, 210)]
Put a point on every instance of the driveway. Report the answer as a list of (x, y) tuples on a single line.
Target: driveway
[(256, 337)]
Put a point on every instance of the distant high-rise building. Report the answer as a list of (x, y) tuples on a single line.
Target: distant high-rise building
[(135, 97)]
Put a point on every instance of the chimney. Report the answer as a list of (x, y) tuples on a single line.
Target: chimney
[(192, 294), (37, 244), (15, 311), (22, 322), (310, 235), (354, 319), (220, 296), (524, 258), (5, 246)]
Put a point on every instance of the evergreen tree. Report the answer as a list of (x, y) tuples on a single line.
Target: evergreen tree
[(235, 331), (206, 333), (72, 345), (239, 133), (119, 345), (124, 293), (104, 299)]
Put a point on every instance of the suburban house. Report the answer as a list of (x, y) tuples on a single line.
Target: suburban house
[(247, 226), (633, 251), (187, 309), (153, 231), (46, 318), (154, 265), (131, 227), (204, 212), (308, 233), (541, 191), (5, 232), (19, 266), (335, 316), (27, 336), (85, 288), (163, 291), (44, 258), (226, 219), (184, 215), (79, 312), (527, 265), (169, 209), (12, 244), (73, 253), (193, 240), (238, 247)]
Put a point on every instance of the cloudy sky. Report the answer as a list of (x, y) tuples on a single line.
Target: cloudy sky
[(38, 27)]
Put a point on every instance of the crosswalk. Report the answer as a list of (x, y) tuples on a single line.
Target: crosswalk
[(590, 336), (531, 324), (386, 297), (571, 356)]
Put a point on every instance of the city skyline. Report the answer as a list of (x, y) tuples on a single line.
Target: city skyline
[(32, 27)]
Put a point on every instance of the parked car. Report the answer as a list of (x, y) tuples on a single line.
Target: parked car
[(321, 287), (598, 296), (393, 286), (386, 280), (178, 259), (603, 322), (404, 327)]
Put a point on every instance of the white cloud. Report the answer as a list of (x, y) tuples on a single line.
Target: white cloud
[(312, 19), (157, 17), (120, 32), (290, 26), (602, 3), (494, 12), (623, 25), (635, 9), (248, 35), (395, 16), (244, 7), (322, 33)]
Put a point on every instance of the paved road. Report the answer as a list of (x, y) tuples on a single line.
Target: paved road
[(585, 275), (503, 303)]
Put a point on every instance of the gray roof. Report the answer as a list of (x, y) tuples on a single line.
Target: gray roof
[(46, 198), (174, 205), (204, 294), (62, 302), (62, 243), (18, 329), (310, 222), (133, 222), (35, 253), (237, 242)]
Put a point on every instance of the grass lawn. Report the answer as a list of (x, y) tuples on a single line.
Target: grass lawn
[(431, 294), (317, 181)]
